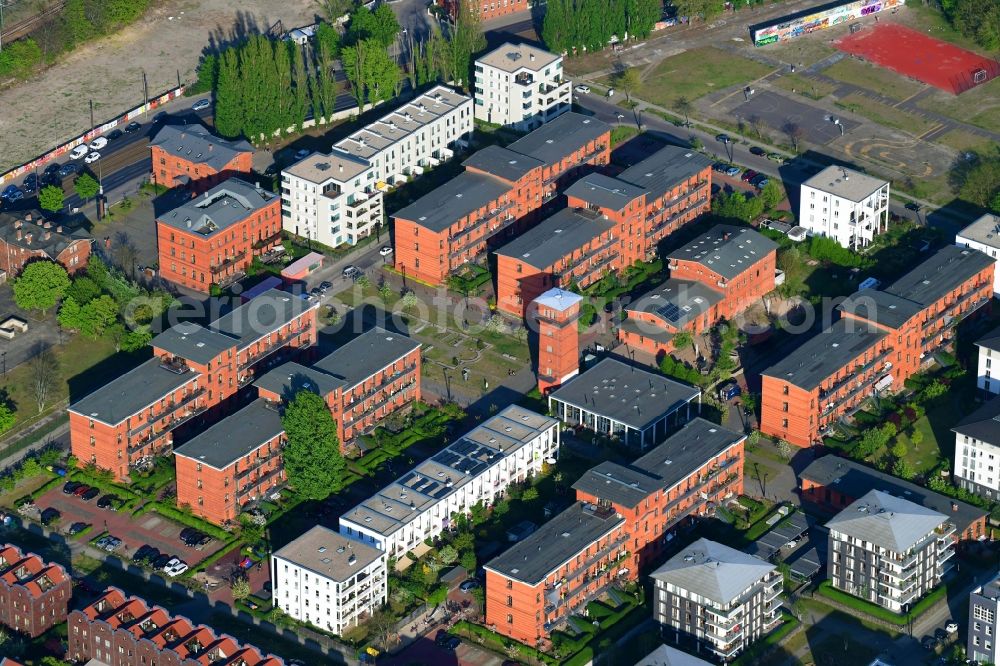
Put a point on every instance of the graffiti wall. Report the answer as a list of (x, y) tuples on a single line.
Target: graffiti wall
[(819, 18)]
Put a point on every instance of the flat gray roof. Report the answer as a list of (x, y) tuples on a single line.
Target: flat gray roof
[(826, 353), (886, 520), (234, 436), (676, 302), (983, 424), (219, 208), (560, 137), (196, 144), (462, 195), (193, 342), (339, 166), (726, 249), (502, 163), (985, 230), (132, 392), (845, 183), (940, 274), (365, 355), (556, 236), (329, 554), (665, 169), (556, 542), (514, 57), (881, 307), (626, 394), (290, 378), (714, 571), (623, 485), (686, 450), (991, 340), (604, 191), (262, 315)]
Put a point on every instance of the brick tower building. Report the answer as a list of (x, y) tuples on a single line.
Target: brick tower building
[(555, 313)]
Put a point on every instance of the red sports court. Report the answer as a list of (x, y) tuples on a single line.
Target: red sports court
[(920, 57)]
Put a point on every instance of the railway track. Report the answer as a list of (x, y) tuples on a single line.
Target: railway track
[(25, 27)]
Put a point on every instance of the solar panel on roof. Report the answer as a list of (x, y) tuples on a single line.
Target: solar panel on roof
[(441, 492), (670, 312)]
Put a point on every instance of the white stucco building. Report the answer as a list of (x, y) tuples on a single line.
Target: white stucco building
[(988, 373), (846, 205), (477, 467), (327, 580), (977, 450), (521, 86), (984, 235)]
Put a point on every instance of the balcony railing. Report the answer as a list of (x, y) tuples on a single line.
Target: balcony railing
[(281, 341), (973, 296), (170, 409), (667, 221), (493, 213), (264, 242), (383, 383), (229, 261), (375, 406), (253, 487)]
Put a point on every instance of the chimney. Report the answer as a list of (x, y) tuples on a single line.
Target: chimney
[(27, 239), (59, 229), (954, 506), (47, 225), (19, 224), (19, 234), (532, 56), (48, 235), (27, 217), (341, 166)]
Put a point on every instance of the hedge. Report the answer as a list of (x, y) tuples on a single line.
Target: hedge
[(827, 590), (49, 485), (499, 643)]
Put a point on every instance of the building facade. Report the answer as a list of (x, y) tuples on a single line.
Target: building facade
[(983, 235), (984, 606), (34, 594), (555, 314), (27, 236), (717, 597), (232, 464), (883, 338), (191, 156), (977, 451), (846, 205), (194, 369), (324, 579), (988, 350), (477, 467), (213, 239), (489, 9), (520, 86), (332, 199), (888, 550), (126, 631)]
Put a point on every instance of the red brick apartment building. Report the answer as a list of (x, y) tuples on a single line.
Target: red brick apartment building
[(832, 483), (714, 277), (214, 238), (489, 202), (490, 9), (193, 369), (623, 518), (363, 381), (190, 155), (882, 338), (27, 236), (34, 594), (126, 631)]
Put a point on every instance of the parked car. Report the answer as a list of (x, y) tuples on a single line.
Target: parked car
[(76, 528), (145, 552), (90, 494), (469, 585), (108, 502), (186, 533), (175, 567), (777, 157), (324, 286), (92, 157), (757, 150), (721, 167), (11, 193), (351, 272), (453, 643), (941, 634), (78, 152), (951, 627), (733, 171), (160, 561), (760, 181), (195, 538), (161, 116), (583, 89), (748, 175), (914, 206), (302, 153), (929, 642), (132, 127), (115, 134), (50, 516), (729, 391), (201, 105), (81, 489), (385, 251), (70, 487), (722, 138), (611, 92), (68, 169), (30, 183), (98, 143), (51, 169), (315, 293), (442, 637)]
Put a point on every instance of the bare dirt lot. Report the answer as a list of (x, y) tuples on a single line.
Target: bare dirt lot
[(55, 106)]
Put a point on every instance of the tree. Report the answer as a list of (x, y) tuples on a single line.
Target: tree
[(44, 372), (208, 74), (384, 28), (980, 20), (468, 561), (643, 15), (704, 9), (327, 38), (683, 106), (529, 495), (40, 285), (300, 106), (794, 132), (74, 17), (334, 10), (771, 195), (312, 456), (682, 340), (50, 198), (629, 81), (7, 416), (135, 340), (978, 179), (353, 60), (447, 555), (465, 40), (382, 74), (736, 206), (757, 123), (917, 438), (70, 314), (385, 292), (556, 26), (86, 186), (229, 95), (83, 289), (899, 450), (240, 587), (501, 508), (97, 316)]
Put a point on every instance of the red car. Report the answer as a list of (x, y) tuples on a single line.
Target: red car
[(748, 175), (81, 490)]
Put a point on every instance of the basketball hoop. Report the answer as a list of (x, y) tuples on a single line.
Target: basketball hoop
[(979, 76)]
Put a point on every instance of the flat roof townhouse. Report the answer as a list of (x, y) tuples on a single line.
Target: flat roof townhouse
[(363, 381), (324, 579), (620, 400), (126, 631), (421, 133), (983, 628), (194, 368), (988, 350), (231, 464), (520, 86), (34, 594), (191, 156), (27, 236), (983, 235), (714, 277), (888, 550), (332, 199), (718, 597), (477, 467), (882, 338), (977, 451), (213, 239), (833, 483), (846, 205), (495, 197)]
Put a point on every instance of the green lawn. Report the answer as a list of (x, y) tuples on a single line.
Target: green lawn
[(979, 106), (804, 85), (696, 73), (876, 79), (962, 140)]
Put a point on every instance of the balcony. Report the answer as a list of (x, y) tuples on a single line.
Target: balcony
[(672, 218), (230, 261), (973, 297), (374, 407), (699, 188), (282, 341), (261, 462), (264, 242), (492, 214), (524, 79), (174, 364), (255, 486), (382, 385), (168, 411)]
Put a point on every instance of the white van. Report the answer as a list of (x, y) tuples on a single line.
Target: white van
[(78, 152)]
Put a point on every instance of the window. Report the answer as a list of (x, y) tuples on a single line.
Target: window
[(510, 619)]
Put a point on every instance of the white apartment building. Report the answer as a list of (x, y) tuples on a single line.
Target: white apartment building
[(977, 449), (983, 644), (846, 205), (521, 86), (331, 199), (327, 580), (420, 134), (984, 235), (988, 374), (478, 467)]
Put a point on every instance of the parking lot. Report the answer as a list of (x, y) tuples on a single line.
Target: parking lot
[(778, 111), (150, 528)]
